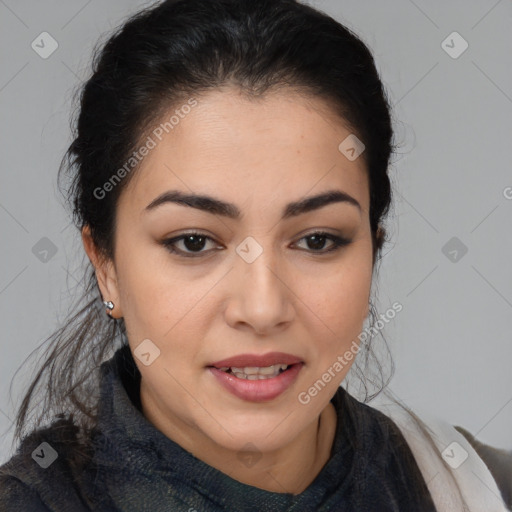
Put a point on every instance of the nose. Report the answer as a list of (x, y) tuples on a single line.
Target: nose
[(260, 294)]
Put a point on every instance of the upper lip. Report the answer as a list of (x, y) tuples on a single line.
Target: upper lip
[(257, 360)]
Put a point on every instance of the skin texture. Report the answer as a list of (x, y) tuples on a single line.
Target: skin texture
[(260, 155)]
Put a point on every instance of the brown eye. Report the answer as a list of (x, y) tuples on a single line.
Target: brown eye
[(316, 242), (192, 244)]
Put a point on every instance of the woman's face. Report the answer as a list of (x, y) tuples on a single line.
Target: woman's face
[(253, 282)]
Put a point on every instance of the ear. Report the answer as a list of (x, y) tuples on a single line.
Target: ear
[(105, 273)]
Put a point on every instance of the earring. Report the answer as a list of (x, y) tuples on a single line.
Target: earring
[(109, 305)]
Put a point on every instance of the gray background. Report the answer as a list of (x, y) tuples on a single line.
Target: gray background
[(452, 341)]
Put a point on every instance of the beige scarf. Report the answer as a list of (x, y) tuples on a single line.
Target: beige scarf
[(463, 465)]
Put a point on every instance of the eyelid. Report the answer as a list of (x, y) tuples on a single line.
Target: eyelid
[(338, 242), (169, 244)]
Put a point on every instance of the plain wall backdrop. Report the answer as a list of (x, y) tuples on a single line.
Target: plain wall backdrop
[(449, 262)]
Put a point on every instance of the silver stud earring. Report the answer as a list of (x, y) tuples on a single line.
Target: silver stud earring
[(109, 305)]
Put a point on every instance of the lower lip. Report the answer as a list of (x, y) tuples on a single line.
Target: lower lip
[(258, 390)]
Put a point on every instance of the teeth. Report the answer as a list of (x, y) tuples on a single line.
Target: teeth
[(256, 373)]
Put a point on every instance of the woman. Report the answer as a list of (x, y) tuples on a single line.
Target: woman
[(229, 178)]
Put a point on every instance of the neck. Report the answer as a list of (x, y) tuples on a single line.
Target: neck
[(290, 469)]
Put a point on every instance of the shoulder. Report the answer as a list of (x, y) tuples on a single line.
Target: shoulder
[(46, 471), (16, 495), (453, 469), (499, 462)]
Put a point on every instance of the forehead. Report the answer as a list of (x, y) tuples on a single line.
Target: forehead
[(255, 149)]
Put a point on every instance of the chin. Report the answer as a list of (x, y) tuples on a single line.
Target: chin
[(258, 437)]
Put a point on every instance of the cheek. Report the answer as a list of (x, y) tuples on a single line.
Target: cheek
[(159, 299), (145, 289), (340, 300)]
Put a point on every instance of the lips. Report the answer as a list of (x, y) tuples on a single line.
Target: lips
[(257, 390), (257, 360)]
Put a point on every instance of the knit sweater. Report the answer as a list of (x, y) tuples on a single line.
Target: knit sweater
[(135, 467)]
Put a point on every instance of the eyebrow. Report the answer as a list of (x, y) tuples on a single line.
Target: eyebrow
[(217, 207)]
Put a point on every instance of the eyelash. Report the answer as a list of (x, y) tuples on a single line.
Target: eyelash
[(338, 243)]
